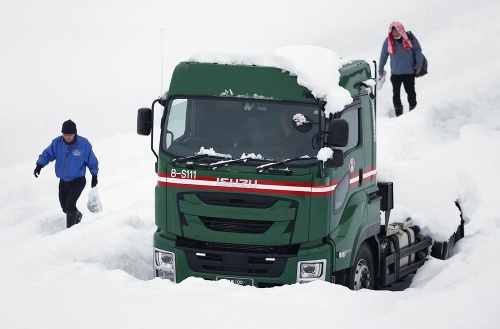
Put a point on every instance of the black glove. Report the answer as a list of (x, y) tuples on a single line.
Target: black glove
[(36, 172), (94, 181)]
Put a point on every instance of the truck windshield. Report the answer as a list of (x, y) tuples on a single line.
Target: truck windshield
[(261, 129)]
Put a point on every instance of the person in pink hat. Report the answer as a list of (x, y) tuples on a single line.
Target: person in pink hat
[(406, 62)]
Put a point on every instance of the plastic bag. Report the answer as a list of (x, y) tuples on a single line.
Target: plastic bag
[(381, 80), (94, 203)]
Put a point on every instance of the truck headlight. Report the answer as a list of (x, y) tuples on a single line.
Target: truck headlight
[(164, 264), (311, 270)]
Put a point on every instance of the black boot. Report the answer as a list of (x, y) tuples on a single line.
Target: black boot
[(78, 217), (71, 218), (399, 110)]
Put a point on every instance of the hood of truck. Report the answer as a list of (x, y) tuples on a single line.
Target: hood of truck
[(242, 207)]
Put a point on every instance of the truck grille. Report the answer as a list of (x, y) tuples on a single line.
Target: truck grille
[(206, 214), (236, 225), (237, 200), (255, 214)]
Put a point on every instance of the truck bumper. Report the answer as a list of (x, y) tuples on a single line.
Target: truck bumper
[(257, 266)]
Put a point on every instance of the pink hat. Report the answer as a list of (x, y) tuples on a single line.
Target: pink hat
[(400, 28)]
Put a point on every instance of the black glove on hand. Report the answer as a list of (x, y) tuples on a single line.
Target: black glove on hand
[(36, 172), (94, 181)]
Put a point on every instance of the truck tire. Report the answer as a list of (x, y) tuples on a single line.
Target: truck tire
[(443, 250), (361, 274)]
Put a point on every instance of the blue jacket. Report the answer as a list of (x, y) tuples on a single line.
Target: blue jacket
[(402, 61), (71, 159)]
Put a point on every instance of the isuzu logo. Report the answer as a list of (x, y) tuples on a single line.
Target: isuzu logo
[(236, 182)]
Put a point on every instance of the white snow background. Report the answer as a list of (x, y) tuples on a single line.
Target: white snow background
[(97, 62)]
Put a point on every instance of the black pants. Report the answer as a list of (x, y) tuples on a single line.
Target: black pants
[(69, 192), (408, 82)]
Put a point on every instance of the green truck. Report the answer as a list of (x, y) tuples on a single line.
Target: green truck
[(243, 195)]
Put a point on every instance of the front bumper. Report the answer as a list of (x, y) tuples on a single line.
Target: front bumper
[(260, 266)]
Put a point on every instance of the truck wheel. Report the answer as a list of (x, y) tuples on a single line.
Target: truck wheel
[(360, 275), (443, 250), (440, 250)]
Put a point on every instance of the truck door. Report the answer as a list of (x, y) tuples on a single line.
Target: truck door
[(349, 199), (354, 157)]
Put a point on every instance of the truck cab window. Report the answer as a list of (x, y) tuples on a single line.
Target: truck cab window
[(176, 122)]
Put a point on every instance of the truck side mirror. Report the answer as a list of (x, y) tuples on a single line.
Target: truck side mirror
[(337, 159), (144, 121), (338, 133)]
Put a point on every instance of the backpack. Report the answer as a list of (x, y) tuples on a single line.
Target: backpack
[(423, 70)]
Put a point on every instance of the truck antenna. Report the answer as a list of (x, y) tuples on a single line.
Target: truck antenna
[(161, 65), (375, 103)]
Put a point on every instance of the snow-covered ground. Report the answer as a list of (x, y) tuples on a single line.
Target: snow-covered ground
[(97, 62)]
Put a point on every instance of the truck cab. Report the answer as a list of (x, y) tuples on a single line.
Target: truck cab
[(245, 194)]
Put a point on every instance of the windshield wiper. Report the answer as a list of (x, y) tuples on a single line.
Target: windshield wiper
[(217, 164), (280, 163), (196, 157)]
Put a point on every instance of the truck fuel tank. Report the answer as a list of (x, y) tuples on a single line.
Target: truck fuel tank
[(402, 235)]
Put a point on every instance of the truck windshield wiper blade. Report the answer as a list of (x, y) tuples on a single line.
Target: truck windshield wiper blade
[(196, 157), (280, 163), (217, 164)]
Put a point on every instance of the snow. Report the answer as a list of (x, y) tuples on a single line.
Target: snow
[(300, 119), (324, 154), (211, 152), (316, 68), (252, 156), (98, 62)]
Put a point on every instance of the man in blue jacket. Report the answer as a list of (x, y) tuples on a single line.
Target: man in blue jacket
[(72, 153), (406, 63)]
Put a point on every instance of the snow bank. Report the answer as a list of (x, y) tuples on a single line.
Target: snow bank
[(93, 67)]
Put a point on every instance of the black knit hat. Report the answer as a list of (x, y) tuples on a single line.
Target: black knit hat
[(68, 127)]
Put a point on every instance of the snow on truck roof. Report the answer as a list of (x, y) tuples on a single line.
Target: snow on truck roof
[(316, 68)]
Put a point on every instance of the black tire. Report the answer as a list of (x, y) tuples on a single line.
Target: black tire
[(440, 250), (361, 274), (443, 250)]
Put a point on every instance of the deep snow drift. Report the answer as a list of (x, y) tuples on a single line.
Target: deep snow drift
[(98, 63)]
